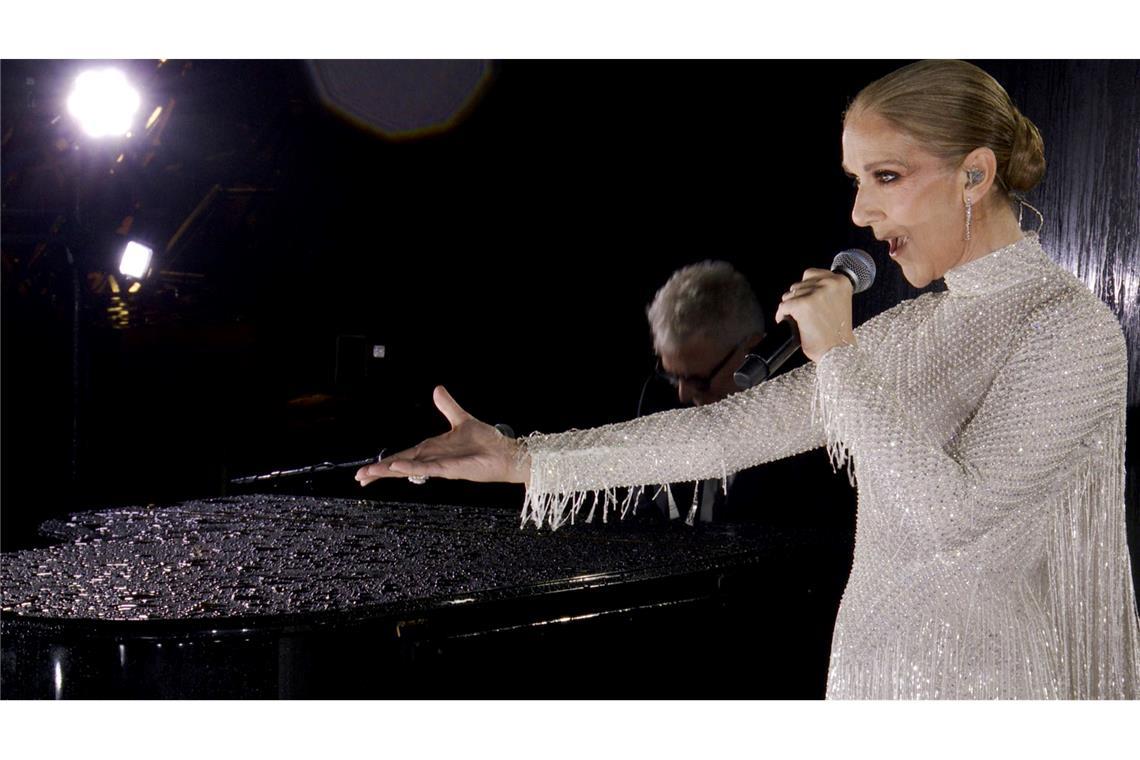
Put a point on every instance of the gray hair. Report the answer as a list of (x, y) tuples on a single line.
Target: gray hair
[(709, 299)]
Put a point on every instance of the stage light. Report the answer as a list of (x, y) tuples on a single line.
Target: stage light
[(103, 102), (136, 260)]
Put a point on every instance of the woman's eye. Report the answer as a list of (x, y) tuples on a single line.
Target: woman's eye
[(882, 177)]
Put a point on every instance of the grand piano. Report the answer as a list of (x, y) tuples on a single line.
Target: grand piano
[(278, 596)]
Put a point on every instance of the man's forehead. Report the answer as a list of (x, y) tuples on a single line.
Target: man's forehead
[(693, 348)]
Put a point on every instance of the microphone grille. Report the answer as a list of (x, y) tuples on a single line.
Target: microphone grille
[(856, 264)]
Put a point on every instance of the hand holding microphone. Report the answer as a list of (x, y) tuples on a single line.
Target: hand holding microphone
[(819, 307)]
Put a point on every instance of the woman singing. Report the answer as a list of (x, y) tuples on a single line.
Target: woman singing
[(983, 425)]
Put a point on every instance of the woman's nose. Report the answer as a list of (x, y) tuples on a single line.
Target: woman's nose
[(863, 212)]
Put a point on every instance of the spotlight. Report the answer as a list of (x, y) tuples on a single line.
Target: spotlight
[(104, 102), (136, 260)]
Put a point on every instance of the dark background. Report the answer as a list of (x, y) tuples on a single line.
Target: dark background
[(510, 257)]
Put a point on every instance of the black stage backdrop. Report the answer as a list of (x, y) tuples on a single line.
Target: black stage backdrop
[(510, 257)]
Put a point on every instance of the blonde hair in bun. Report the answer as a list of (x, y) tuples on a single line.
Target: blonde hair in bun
[(952, 108), (1026, 165)]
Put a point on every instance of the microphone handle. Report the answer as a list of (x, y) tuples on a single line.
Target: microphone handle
[(759, 366), (785, 351)]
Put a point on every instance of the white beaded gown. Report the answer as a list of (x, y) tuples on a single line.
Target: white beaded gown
[(984, 427)]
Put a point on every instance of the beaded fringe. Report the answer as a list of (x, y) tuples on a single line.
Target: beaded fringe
[(1091, 596), (557, 509), (553, 502), (837, 452), (1093, 648), (554, 508)]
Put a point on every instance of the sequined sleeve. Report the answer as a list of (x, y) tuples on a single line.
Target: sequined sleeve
[(1049, 410), (582, 469)]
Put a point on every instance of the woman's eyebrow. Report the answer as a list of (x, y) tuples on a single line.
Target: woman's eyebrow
[(876, 164)]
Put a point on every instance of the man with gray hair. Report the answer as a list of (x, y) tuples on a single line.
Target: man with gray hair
[(704, 321)]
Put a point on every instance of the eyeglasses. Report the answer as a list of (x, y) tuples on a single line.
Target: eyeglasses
[(701, 383)]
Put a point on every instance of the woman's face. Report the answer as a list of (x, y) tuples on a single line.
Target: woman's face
[(910, 198)]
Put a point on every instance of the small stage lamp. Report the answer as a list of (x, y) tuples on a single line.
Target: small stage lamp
[(103, 102), (135, 260)]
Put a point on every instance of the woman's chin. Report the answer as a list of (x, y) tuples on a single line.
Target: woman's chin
[(917, 278)]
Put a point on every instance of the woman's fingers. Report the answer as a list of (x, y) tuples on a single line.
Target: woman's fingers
[(454, 413), (382, 469), (371, 472), (441, 448), (799, 290), (471, 450), (455, 467), (447, 467), (811, 282), (820, 306)]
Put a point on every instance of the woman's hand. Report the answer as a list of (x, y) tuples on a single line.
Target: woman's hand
[(471, 450), (820, 304)]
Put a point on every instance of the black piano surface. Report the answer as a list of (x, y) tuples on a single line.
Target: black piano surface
[(263, 596)]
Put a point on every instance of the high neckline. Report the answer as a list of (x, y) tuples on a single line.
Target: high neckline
[(999, 269)]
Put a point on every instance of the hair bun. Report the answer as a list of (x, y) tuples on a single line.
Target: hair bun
[(1027, 157)]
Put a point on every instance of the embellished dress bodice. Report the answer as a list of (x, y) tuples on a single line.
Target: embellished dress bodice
[(984, 426)]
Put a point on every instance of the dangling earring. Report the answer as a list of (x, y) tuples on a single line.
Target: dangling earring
[(969, 215)]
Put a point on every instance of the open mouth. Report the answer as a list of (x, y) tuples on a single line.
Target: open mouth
[(896, 244)]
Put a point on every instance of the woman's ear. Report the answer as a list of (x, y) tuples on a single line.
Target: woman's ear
[(979, 170)]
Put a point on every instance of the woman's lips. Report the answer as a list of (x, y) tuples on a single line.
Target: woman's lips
[(895, 244)]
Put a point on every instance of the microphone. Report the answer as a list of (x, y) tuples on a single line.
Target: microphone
[(857, 266)]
